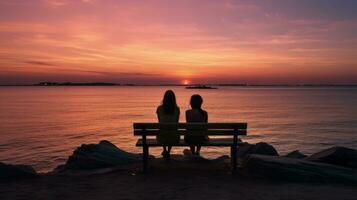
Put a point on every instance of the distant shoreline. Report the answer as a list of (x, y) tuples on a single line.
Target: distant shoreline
[(104, 84)]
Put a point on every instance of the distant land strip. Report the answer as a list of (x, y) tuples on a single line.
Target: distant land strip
[(51, 84)]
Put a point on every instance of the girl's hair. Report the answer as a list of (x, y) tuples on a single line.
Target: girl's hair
[(196, 102), (169, 102)]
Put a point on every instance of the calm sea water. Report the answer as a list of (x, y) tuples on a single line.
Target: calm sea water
[(41, 126)]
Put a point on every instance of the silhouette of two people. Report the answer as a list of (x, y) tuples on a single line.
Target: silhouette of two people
[(169, 112)]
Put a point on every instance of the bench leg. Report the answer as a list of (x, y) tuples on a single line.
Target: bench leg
[(145, 158), (234, 158)]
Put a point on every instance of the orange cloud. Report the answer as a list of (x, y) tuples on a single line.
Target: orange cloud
[(243, 41)]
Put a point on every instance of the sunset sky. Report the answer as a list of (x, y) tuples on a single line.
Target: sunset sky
[(168, 41)]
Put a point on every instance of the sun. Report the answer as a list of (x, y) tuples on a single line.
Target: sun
[(185, 82)]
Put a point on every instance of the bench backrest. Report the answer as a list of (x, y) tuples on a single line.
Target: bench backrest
[(184, 128)]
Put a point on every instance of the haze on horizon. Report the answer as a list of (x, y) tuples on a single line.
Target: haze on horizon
[(160, 41)]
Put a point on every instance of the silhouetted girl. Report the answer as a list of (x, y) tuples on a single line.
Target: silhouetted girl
[(196, 115), (168, 112)]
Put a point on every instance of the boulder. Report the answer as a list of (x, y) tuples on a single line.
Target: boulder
[(97, 156), (296, 154), (283, 168), (16, 171), (260, 148), (244, 150), (189, 157), (337, 156), (263, 148)]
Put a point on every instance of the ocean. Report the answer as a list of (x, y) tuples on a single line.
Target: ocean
[(41, 126)]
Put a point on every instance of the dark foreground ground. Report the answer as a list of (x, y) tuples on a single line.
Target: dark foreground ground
[(170, 183)]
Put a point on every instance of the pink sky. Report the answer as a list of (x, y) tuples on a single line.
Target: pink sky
[(162, 41)]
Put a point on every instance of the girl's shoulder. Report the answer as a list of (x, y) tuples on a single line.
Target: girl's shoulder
[(177, 109), (195, 111), (160, 109)]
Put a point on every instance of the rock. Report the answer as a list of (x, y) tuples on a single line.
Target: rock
[(283, 168), (16, 171), (189, 157), (260, 148), (97, 156), (223, 158), (337, 156), (244, 150), (187, 152), (263, 148), (295, 154)]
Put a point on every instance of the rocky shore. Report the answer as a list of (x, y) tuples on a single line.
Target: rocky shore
[(105, 171)]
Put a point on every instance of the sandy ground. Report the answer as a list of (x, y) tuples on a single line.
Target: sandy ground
[(170, 182), (168, 185)]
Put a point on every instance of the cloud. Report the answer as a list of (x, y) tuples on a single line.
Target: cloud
[(155, 38), (34, 62), (310, 9), (121, 74), (58, 2)]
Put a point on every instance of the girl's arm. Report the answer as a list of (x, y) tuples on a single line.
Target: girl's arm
[(157, 114), (178, 115)]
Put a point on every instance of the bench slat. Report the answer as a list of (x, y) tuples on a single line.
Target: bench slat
[(190, 125), (212, 142), (183, 132)]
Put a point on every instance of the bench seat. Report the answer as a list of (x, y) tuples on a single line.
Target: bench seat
[(230, 132), (219, 142)]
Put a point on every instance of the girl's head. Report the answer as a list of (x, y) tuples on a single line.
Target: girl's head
[(196, 101), (169, 102)]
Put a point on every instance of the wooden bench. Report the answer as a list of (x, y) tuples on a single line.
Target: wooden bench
[(228, 131)]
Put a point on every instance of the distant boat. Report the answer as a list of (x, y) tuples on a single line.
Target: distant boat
[(200, 87)]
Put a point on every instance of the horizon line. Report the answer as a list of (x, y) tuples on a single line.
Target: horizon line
[(53, 83)]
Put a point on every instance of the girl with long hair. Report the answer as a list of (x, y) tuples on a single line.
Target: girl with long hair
[(168, 112)]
